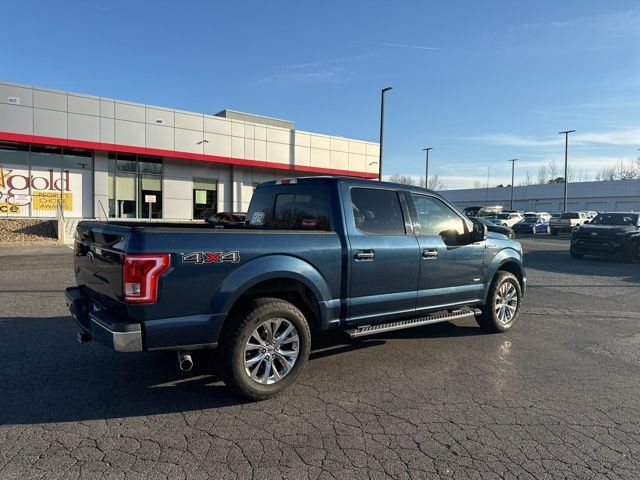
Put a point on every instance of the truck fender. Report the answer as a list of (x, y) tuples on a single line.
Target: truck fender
[(507, 255), (267, 268)]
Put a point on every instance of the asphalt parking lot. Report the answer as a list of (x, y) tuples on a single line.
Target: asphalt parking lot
[(557, 397)]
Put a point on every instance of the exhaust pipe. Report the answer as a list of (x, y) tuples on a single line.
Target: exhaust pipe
[(185, 362)]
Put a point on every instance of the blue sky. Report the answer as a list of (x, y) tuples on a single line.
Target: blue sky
[(480, 81)]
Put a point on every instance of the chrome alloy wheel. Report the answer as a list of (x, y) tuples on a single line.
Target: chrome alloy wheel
[(271, 351), (506, 302)]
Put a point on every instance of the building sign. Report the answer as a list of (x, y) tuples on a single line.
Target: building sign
[(150, 199), (39, 193)]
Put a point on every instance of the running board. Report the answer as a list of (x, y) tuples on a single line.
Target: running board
[(438, 317)]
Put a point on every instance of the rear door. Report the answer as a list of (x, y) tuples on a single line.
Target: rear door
[(450, 267), (383, 255)]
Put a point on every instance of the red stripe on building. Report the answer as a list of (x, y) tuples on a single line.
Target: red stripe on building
[(112, 147)]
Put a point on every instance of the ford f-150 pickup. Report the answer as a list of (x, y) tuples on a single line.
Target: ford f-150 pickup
[(315, 254)]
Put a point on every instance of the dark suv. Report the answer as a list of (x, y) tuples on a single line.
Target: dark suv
[(615, 234)]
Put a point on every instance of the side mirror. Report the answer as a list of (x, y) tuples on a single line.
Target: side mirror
[(479, 231)]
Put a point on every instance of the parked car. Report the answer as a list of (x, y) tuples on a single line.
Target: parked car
[(532, 225), (567, 221), (486, 211), (615, 234), (543, 215), (325, 252), (509, 219), (496, 228), (227, 219)]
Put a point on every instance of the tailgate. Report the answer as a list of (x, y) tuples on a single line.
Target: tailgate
[(99, 255)]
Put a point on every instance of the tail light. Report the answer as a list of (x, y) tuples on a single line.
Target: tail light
[(140, 276)]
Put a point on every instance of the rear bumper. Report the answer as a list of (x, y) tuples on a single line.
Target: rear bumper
[(121, 337), (124, 335), (98, 325)]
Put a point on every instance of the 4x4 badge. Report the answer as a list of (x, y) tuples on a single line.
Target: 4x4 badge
[(211, 257)]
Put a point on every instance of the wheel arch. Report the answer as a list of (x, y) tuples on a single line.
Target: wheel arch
[(279, 276), (505, 261)]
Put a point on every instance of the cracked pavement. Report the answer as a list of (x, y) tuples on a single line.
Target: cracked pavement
[(557, 397)]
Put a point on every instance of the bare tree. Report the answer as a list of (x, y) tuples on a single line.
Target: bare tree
[(553, 169), (542, 175), (528, 180), (478, 184), (435, 183), (404, 179), (620, 170)]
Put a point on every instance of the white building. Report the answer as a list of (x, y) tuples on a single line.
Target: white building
[(620, 195), (95, 157)]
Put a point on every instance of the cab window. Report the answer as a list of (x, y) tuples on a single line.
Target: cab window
[(377, 211), (436, 218)]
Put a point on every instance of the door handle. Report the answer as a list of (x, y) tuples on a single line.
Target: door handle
[(364, 255), (430, 253)]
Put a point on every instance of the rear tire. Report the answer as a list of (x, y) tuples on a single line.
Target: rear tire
[(265, 349), (575, 254), (502, 306)]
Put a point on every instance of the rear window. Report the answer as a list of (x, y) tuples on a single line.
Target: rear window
[(567, 215), (299, 207)]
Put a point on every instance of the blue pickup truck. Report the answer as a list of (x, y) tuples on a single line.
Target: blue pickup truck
[(315, 253)]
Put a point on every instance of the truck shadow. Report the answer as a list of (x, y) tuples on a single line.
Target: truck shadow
[(559, 261), (47, 377)]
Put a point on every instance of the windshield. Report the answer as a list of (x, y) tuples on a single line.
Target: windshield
[(503, 215), (570, 215), (615, 219)]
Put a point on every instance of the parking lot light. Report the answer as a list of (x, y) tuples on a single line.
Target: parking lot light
[(566, 150), (384, 90), (513, 165), (426, 170)]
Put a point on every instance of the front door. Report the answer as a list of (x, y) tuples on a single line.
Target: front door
[(450, 266), (383, 258)]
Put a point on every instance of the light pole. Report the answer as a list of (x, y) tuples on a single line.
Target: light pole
[(513, 171), (426, 169), (486, 194), (566, 150), (384, 90)]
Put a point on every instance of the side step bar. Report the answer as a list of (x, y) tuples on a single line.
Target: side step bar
[(436, 317)]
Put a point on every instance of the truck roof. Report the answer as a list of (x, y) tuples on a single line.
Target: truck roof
[(341, 179)]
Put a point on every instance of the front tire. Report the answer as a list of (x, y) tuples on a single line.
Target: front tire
[(265, 349), (575, 254), (502, 306)]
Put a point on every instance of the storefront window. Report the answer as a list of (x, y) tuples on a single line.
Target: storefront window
[(45, 181), (204, 198), (14, 178), (77, 176), (132, 180)]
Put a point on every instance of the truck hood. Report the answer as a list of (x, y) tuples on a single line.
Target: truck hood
[(608, 229)]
